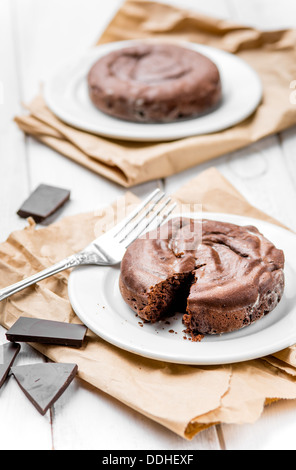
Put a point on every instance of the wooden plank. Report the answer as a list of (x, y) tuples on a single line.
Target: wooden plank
[(106, 431), (265, 173), (75, 29), (267, 170), (275, 430), (22, 426), (92, 420), (13, 175), (261, 172), (73, 415), (246, 169), (260, 168), (18, 416)]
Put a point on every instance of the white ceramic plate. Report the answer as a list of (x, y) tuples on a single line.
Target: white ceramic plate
[(96, 299), (66, 94)]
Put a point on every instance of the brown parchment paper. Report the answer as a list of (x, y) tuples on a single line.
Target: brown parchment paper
[(272, 54), (185, 399)]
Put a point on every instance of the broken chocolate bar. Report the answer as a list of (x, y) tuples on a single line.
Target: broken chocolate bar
[(44, 383), (36, 330), (8, 353), (43, 202)]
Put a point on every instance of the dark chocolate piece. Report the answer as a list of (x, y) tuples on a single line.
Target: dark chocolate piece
[(43, 202), (44, 383), (8, 353), (36, 330)]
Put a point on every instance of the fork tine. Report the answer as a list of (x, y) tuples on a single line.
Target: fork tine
[(150, 220), (135, 212), (143, 216), (167, 213)]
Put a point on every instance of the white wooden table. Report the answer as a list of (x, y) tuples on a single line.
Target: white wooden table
[(34, 35)]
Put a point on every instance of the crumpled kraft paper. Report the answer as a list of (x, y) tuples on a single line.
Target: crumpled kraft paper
[(271, 53), (185, 399)]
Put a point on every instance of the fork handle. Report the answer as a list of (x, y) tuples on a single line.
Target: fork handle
[(78, 259)]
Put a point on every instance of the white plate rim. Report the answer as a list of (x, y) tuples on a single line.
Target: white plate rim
[(261, 350), (140, 132)]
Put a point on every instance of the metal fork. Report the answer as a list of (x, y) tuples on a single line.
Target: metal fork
[(109, 248)]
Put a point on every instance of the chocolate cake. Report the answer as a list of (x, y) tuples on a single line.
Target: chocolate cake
[(154, 83), (225, 279)]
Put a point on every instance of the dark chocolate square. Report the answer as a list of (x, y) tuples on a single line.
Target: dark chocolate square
[(36, 330), (43, 202)]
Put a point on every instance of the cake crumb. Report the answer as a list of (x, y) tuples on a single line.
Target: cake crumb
[(193, 337), (198, 338)]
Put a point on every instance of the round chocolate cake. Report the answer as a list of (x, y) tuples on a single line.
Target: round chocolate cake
[(225, 279), (154, 83)]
